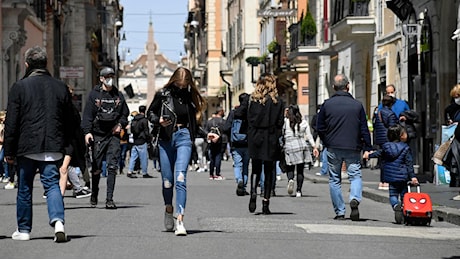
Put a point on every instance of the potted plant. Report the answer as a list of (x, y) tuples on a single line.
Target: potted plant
[(272, 46), (253, 60), (308, 27)]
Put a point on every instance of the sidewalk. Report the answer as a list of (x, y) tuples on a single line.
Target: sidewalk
[(444, 208)]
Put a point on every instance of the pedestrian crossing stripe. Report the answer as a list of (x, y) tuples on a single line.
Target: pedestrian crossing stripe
[(400, 231)]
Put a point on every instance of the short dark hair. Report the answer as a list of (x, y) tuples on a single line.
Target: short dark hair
[(394, 132), (36, 57), (340, 82), (388, 101), (142, 109), (243, 98)]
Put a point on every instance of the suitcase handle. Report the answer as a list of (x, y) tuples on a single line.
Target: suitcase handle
[(409, 185)]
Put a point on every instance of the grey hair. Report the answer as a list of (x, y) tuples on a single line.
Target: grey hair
[(340, 82), (36, 57)]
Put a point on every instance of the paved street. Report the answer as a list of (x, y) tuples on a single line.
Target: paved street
[(219, 225)]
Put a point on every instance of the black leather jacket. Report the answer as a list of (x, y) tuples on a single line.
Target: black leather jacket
[(163, 104)]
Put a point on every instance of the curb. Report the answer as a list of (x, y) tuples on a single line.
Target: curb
[(440, 213)]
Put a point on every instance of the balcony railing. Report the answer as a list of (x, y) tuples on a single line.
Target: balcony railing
[(297, 39), (347, 8)]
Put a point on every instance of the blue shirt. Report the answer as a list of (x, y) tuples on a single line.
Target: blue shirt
[(398, 107)]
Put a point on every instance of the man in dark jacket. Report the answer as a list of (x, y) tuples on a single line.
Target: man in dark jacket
[(141, 135), (239, 146), (38, 127), (342, 126), (104, 115)]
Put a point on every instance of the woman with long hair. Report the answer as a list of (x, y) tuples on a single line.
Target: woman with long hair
[(174, 112), (296, 131), (265, 121)]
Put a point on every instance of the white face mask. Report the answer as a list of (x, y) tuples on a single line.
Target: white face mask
[(457, 101), (392, 95), (108, 82)]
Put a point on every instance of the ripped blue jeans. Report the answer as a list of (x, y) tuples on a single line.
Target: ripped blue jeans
[(174, 158)]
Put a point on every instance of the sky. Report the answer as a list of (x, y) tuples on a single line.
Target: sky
[(168, 17)]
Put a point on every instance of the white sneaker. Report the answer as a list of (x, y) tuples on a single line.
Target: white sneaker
[(278, 177), (10, 186), (318, 174), (180, 229), (5, 179), (59, 234), (22, 236), (456, 197), (298, 194), (169, 220), (290, 187)]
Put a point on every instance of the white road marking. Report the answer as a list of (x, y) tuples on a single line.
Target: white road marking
[(402, 231)]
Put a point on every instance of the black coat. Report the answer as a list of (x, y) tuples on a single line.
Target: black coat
[(39, 117), (265, 125)]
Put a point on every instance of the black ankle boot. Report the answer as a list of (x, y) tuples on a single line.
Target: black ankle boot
[(265, 209)]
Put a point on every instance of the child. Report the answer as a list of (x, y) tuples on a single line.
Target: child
[(398, 168)]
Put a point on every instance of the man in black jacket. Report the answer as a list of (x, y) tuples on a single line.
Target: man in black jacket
[(38, 127), (141, 135), (104, 115), (342, 126), (239, 143)]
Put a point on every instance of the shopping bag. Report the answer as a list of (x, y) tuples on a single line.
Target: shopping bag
[(442, 175)]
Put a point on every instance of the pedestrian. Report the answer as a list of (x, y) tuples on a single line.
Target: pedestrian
[(216, 144), (236, 127), (383, 120), (141, 136), (265, 121), (452, 118), (74, 161), (38, 127), (201, 148), (124, 136), (104, 116), (3, 166), (174, 111), (296, 134), (342, 127), (399, 105), (397, 167)]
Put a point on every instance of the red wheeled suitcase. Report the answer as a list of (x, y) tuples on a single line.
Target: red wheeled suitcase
[(417, 207)]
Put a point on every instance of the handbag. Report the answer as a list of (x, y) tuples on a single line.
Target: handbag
[(154, 147), (440, 154)]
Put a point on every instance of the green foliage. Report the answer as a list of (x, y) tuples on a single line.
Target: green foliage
[(308, 26), (272, 46), (253, 60)]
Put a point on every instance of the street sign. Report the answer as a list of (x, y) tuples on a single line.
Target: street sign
[(71, 72), (276, 12)]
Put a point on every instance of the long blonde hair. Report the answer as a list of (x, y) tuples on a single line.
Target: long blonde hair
[(266, 85)]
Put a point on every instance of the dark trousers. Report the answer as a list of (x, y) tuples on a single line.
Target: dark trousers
[(299, 169), (268, 174), (215, 159), (105, 148)]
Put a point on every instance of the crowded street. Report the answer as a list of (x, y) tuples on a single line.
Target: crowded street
[(219, 225)]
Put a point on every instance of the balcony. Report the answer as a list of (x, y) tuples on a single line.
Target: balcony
[(351, 20), (301, 46)]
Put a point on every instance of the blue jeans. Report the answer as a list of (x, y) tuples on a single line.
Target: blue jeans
[(352, 159), (174, 158), (49, 176), (124, 150), (3, 164), (324, 162), (397, 190), (240, 157), (141, 152)]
